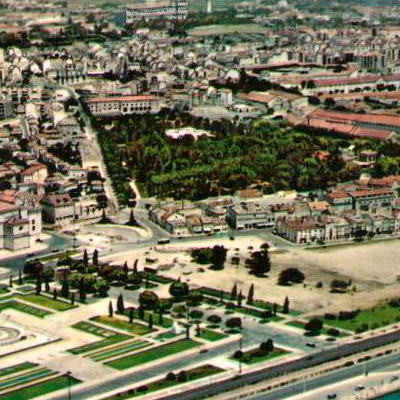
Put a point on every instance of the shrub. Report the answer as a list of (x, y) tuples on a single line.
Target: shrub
[(196, 314), (238, 355), (345, 315), (394, 303), (333, 332), (143, 388), (215, 319), (314, 325), (234, 323), (148, 300), (179, 289), (267, 346), (182, 376), (339, 285), (290, 275), (330, 316), (171, 376)]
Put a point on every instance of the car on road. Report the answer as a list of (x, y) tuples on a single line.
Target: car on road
[(310, 344), (394, 378), (359, 388), (332, 396)]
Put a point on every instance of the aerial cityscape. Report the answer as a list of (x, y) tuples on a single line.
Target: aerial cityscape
[(199, 199)]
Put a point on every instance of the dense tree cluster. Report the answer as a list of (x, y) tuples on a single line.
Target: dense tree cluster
[(272, 155)]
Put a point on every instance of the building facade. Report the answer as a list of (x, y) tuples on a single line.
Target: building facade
[(123, 105), (169, 10)]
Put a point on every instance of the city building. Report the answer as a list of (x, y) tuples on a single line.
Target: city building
[(169, 10), (6, 109), (122, 105), (20, 226)]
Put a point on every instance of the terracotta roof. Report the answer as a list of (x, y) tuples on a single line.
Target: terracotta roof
[(121, 99), (385, 181), (33, 169), (318, 205), (369, 193), (56, 200), (301, 224), (337, 195)]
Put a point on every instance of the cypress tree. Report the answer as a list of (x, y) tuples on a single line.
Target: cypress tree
[(234, 292), (96, 257), (250, 296), (286, 306), (110, 310)]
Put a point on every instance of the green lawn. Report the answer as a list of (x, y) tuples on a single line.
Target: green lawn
[(26, 289), (3, 289), (323, 331), (56, 256), (255, 355), (88, 327), (39, 389), (153, 354), (16, 305), (166, 322), (26, 378), (380, 315), (133, 328), (16, 368), (200, 372), (119, 350), (110, 337), (97, 345), (166, 335), (255, 313), (45, 301), (212, 336)]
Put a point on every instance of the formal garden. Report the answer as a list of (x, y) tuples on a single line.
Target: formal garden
[(109, 337), (154, 353), (28, 380), (266, 351), (171, 380)]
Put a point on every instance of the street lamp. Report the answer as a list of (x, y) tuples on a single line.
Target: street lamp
[(69, 384)]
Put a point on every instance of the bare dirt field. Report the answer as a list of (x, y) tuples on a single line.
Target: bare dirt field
[(209, 30), (373, 269)]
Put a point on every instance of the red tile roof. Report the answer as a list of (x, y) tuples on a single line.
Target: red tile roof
[(121, 99), (33, 169)]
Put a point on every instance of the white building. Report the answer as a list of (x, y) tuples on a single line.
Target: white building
[(123, 105), (20, 227), (170, 10)]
